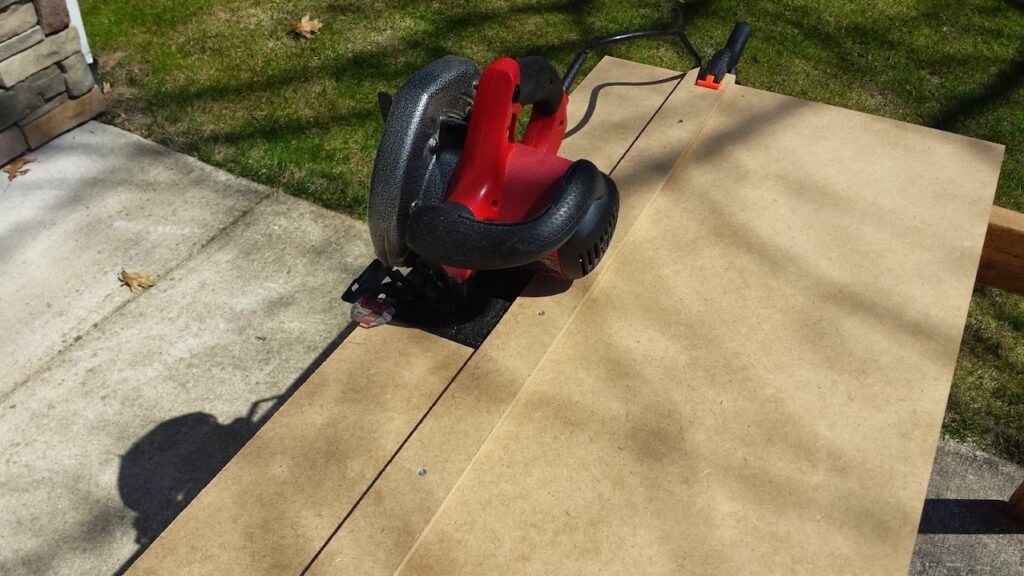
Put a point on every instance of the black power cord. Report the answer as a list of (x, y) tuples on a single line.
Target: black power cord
[(678, 30)]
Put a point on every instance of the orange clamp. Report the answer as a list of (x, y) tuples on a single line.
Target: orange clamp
[(709, 82)]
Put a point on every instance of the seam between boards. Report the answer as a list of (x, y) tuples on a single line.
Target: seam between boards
[(384, 468)]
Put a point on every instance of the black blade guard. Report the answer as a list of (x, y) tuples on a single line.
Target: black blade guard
[(421, 144)]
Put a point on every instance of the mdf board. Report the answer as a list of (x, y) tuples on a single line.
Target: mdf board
[(271, 507), (757, 380), (383, 528)]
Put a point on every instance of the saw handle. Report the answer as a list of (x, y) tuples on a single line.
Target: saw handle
[(539, 85), (448, 233)]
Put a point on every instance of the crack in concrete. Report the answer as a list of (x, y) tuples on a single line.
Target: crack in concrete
[(75, 340)]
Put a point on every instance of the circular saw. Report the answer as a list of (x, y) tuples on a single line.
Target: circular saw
[(457, 190)]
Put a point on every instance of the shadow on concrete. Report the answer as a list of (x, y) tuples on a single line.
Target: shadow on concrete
[(967, 516), (168, 467), (171, 464)]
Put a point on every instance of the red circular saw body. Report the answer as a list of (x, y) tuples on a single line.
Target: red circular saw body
[(497, 177)]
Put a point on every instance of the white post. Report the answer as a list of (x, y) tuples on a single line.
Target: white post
[(76, 21)]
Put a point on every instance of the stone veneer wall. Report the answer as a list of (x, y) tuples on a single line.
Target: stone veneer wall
[(46, 87)]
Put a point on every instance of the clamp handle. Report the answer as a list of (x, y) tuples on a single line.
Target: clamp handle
[(725, 60)]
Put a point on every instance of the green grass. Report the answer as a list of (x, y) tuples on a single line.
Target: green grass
[(986, 404), (222, 80)]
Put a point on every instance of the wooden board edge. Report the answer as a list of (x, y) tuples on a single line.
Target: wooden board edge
[(1002, 257)]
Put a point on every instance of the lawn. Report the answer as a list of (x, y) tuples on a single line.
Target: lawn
[(223, 80)]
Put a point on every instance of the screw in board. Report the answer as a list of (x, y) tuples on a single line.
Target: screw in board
[(421, 472)]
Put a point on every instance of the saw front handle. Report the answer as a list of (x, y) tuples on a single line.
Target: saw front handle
[(539, 85), (448, 233)]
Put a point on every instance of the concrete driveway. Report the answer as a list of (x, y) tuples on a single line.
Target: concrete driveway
[(117, 408)]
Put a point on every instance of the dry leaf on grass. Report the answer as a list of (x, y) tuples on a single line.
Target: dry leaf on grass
[(136, 281), (105, 87), (17, 167), (307, 27)]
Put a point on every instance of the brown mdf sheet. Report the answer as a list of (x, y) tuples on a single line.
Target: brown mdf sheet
[(756, 381), (281, 496), (382, 529)]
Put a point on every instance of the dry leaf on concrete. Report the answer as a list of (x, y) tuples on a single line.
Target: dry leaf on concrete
[(307, 27), (136, 281), (17, 167)]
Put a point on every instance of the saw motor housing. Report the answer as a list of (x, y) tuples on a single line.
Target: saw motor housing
[(454, 188)]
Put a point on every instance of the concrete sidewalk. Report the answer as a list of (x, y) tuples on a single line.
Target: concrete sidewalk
[(116, 409), (964, 528)]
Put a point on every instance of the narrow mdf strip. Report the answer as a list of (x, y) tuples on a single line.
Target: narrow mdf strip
[(388, 521), (757, 381), (271, 507)]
